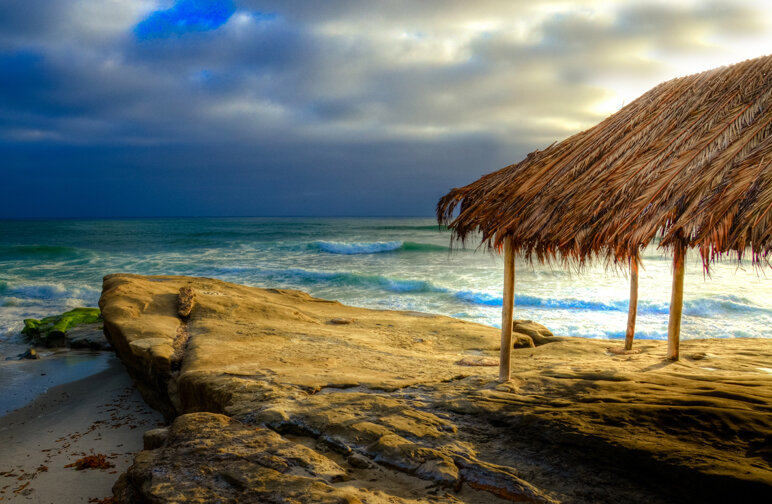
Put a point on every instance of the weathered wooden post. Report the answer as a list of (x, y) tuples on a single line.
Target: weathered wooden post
[(507, 309), (632, 310), (676, 301)]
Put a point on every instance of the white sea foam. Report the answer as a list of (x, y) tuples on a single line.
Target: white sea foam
[(701, 307), (49, 291)]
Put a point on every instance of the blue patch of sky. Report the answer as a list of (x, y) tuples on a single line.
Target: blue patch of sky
[(202, 77), (184, 17), (264, 16)]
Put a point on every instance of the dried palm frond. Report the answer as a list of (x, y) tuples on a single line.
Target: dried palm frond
[(690, 161)]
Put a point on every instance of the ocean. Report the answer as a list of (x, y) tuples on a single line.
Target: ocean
[(47, 267)]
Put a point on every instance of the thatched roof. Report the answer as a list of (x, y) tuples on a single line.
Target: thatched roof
[(690, 160)]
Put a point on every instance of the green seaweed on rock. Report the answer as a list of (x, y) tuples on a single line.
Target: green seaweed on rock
[(50, 330)]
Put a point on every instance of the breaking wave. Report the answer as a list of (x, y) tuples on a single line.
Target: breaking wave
[(47, 292), (703, 307), (352, 248)]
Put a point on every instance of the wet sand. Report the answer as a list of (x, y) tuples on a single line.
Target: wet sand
[(21, 381), (100, 414)]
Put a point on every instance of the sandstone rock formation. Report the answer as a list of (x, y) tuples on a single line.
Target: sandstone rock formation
[(87, 336), (272, 399), (527, 333)]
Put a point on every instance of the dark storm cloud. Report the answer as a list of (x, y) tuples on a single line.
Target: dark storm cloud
[(288, 107), (29, 19)]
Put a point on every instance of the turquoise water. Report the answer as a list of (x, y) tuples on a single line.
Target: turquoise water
[(48, 267)]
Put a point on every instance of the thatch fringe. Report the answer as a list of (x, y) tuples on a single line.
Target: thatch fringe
[(689, 161)]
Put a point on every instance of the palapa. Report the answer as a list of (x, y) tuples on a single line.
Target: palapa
[(688, 162)]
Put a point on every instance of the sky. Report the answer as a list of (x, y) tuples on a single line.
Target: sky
[(150, 108)]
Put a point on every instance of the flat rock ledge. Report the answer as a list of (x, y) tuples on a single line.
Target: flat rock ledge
[(270, 397)]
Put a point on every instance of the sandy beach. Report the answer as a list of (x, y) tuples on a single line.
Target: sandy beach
[(99, 414)]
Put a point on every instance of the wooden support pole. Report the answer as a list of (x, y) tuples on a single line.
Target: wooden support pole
[(507, 309), (632, 310), (676, 301)]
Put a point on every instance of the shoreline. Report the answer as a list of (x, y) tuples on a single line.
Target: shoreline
[(423, 382), (100, 414), (23, 381)]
